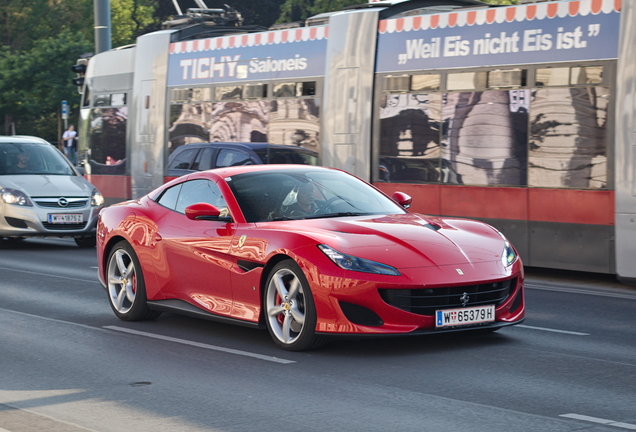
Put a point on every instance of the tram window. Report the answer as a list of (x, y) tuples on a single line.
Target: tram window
[(425, 82), (180, 95), (282, 90), (201, 94), (397, 83), (552, 77), (102, 100), (507, 78), (118, 99), (228, 92), (255, 91), (86, 102), (466, 80), (586, 75), (307, 88), (568, 137)]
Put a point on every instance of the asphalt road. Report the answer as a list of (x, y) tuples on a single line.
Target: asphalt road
[(68, 364)]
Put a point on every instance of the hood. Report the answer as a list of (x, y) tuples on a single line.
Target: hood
[(48, 185), (408, 240)]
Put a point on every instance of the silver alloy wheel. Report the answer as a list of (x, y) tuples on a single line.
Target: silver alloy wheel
[(285, 306), (122, 281)]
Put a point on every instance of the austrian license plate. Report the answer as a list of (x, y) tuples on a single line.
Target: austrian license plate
[(66, 218), (464, 316)]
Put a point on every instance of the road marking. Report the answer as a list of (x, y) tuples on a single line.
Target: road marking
[(152, 335), (600, 420), (200, 345), (553, 330), (49, 275)]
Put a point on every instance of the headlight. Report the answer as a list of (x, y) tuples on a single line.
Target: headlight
[(508, 256), (97, 199), (349, 262), (15, 197)]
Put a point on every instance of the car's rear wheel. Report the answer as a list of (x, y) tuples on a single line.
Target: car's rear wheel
[(126, 287), (86, 242), (290, 312)]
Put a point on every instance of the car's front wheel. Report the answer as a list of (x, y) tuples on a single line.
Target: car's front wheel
[(126, 287), (290, 312)]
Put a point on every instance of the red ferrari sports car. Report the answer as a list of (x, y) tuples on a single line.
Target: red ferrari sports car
[(307, 252)]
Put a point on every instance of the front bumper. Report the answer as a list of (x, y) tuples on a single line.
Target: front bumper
[(33, 221), (349, 306)]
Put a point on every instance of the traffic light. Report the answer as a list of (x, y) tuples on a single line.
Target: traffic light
[(80, 69)]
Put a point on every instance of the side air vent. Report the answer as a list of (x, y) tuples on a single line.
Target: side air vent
[(360, 315)]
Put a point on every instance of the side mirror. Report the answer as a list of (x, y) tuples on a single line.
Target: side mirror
[(205, 211), (402, 199)]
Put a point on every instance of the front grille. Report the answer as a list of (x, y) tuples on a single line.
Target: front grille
[(425, 301), (64, 227), (53, 202)]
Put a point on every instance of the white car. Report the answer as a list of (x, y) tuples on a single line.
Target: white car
[(41, 193)]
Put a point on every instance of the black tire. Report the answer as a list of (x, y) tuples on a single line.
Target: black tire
[(289, 308), (125, 285), (86, 242)]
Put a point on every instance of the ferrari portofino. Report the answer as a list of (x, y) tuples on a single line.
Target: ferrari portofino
[(306, 252)]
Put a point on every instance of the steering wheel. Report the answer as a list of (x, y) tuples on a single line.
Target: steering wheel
[(327, 204)]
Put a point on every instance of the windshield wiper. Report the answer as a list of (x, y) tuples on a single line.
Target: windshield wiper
[(337, 214)]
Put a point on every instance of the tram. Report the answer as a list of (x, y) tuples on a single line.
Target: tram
[(520, 116)]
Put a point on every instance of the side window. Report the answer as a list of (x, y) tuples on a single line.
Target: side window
[(204, 160), (229, 157), (196, 191), (183, 159), (168, 198)]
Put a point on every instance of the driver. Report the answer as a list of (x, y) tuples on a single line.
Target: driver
[(22, 165), (304, 205)]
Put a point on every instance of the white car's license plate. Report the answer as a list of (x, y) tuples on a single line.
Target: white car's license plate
[(464, 316), (66, 218)]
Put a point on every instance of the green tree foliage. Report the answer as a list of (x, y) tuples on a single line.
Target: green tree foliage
[(34, 82), (22, 22), (132, 18)]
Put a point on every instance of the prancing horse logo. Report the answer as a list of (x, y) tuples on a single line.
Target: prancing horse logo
[(242, 241), (460, 272), (464, 299)]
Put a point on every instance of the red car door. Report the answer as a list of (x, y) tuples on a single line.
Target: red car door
[(193, 262)]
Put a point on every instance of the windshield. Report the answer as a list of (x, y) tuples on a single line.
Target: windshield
[(32, 158), (307, 194)]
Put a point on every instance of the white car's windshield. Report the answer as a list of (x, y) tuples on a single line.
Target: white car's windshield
[(307, 194), (32, 158)]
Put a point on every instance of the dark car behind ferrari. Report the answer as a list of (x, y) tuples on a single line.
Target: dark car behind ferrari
[(204, 156)]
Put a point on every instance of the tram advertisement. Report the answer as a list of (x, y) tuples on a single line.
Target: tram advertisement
[(506, 36), (279, 54)]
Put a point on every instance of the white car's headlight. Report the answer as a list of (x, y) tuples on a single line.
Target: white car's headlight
[(15, 197), (349, 262), (97, 199)]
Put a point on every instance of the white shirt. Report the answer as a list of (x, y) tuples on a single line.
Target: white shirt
[(69, 134)]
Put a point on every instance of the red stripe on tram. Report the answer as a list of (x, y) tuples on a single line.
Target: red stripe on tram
[(592, 207)]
